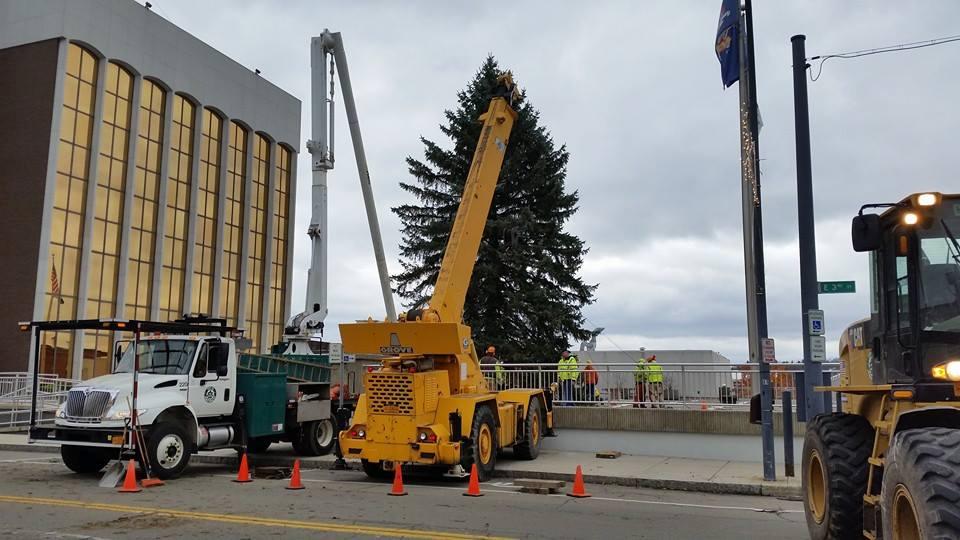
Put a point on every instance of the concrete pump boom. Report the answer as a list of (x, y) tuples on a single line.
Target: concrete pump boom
[(321, 149)]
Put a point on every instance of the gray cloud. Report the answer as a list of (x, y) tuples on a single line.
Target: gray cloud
[(633, 89)]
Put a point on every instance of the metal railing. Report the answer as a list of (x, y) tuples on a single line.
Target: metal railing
[(683, 385), (16, 395)]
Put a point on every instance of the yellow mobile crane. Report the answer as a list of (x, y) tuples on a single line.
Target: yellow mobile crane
[(428, 403)]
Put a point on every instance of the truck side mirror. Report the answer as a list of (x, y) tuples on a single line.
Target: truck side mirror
[(217, 356), (866, 233)]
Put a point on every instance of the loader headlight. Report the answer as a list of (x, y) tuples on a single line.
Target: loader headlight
[(427, 436), (358, 432), (947, 371), (910, 218), (928, 199)]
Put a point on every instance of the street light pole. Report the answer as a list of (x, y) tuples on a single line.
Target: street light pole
[(809, 293)]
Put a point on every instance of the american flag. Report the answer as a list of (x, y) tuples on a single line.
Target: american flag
[(54, 281)]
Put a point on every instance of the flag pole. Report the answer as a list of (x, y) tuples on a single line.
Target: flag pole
[(753, 233)]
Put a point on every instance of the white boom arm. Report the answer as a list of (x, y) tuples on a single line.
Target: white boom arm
[(320, 147)]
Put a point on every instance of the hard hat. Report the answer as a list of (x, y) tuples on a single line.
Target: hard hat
[(491, 350)]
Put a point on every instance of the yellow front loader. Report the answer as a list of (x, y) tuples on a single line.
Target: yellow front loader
[(428, 403), (888, 465)]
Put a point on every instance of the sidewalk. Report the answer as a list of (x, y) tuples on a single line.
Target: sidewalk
[(686, 474)]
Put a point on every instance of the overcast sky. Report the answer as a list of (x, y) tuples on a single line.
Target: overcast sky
[(633, 89)]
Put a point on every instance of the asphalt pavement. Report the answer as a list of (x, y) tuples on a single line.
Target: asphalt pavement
[(40, 498)]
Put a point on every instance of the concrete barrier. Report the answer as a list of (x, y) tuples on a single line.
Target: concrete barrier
[(719, 422)]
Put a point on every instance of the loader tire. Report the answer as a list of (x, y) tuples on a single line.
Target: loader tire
[(535, 422), (835, 452), (86, 459), (484, 443), (920, 497)]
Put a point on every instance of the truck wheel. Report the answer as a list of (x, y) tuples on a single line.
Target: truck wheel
[(321, 436), (169, 450), (835, 452), (316, 438), (920, 497), (85, 459), (258, 445), (374, 469), (484, 444), (530, 448)]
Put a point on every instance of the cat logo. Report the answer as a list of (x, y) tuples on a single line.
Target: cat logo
[(395, 347)]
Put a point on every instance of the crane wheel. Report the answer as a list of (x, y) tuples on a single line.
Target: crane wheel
[(834, 478), (535, 425), (375, 470), (920, 497), (484, 443)]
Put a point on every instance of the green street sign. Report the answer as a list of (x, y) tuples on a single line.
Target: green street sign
[(834, 287)]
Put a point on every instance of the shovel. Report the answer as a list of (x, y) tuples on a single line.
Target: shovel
[(112, 476)]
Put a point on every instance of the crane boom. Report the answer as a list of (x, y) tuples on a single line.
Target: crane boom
[(450, 291)]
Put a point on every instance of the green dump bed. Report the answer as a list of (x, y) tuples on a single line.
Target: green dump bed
[(300, 368)]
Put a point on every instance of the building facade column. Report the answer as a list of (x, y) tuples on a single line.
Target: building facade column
[(242, 296), (221, 216), (49, 191)]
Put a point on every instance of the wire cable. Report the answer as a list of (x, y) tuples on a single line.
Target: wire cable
[(879, 50)]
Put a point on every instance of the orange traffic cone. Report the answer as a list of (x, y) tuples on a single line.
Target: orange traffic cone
[(130, 481), (397, 482), (243, 475), (578, 489), (473, 490), (295, 477)]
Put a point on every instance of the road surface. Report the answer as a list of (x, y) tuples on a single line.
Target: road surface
[(40, 498)]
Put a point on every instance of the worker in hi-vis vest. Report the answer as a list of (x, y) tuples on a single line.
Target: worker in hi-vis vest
[(653, 379), (567, 373)]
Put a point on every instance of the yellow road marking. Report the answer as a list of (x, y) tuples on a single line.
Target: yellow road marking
[(244, 520)]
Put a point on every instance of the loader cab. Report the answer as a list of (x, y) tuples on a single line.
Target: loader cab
[(914, 331)]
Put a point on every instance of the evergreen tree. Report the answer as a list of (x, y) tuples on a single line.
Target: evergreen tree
[(525, 296)]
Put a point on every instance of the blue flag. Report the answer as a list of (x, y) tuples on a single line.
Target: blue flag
[(728, 42)]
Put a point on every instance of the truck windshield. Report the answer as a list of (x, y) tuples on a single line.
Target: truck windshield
[(939, 281), (160, 356)]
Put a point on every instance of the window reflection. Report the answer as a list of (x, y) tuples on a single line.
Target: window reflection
[(257, 238)]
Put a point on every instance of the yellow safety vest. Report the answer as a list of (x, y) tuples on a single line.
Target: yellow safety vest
[(640, 372), (567, 369), (654, 373)]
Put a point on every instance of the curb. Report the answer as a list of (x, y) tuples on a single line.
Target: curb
[(727, 488)]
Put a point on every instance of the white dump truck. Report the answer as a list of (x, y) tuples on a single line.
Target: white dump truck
[(192, 392)]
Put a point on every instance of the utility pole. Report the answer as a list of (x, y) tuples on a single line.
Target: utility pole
[(809, 292)]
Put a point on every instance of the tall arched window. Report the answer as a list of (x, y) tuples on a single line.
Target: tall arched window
[(204, 254), (69, 205), (233, 223), (107, 216), (146, 190), (256, 247), (281, 202), (180, 167)]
